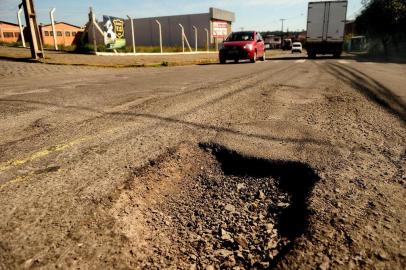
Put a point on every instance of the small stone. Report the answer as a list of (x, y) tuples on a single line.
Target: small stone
[(261, 195), (272, 244), (241, 241), (382, 255), (240, 186), (224, 253), (283, 205), (325, 265), (193, 257), (28, 264), (193, 267), (264, 265), (273, 253), (239, 255), (269, 228), (230, 208), (229, 263), (226, 236), (210, 267)]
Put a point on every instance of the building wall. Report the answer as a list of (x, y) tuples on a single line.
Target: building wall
[(9, 33), (66, 34), (146, 30)]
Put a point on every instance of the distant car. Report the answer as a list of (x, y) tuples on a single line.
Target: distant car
[(287, 44), (242, 46), (297, 47)]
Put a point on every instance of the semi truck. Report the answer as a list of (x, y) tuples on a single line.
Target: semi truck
[(325, 28)]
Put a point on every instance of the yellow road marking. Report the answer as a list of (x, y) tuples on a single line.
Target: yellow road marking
[(22, 178), (42, 153), (45, 152)]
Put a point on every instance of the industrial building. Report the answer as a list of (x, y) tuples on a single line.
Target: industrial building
[(146, 30), (66, 34), (9, 32)]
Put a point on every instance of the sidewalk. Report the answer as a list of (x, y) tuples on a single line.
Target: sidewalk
[(130, 60), (142, 60)]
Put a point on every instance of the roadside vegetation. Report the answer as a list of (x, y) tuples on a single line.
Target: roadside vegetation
[(89, 48), (384, 24)]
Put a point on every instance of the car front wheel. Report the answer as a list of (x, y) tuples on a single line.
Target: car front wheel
[(263, 57), (254, 59)]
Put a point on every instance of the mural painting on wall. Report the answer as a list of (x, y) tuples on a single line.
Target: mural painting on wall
[(113, 32)]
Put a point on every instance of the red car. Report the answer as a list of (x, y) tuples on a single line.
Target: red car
[(243, 45)]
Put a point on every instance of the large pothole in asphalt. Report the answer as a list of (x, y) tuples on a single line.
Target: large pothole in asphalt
[(209, 206)]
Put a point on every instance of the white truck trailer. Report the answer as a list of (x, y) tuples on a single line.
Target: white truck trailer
[(325, 27)]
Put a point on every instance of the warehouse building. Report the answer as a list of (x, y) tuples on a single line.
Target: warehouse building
[(66, 34), (9, 32), (217, 22)]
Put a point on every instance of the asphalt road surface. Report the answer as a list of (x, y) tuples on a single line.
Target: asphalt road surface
[(73, 139)]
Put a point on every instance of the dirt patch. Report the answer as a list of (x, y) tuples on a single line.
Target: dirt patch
[(207, 206)]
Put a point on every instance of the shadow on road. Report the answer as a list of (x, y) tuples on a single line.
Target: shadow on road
[(292, 57), (370, 88), (363, 57), (18, 59)]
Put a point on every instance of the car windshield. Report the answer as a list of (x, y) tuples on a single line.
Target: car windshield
[(241, 36), (296, 45)]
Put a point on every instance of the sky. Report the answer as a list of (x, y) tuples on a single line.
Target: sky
[(260, 15)]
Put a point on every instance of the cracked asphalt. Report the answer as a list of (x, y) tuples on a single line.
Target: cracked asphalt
[(72, 137)]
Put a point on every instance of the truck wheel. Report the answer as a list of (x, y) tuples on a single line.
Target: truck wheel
[(222, 60), (337, 55), (236, 60), (311, 55), (253, 60)]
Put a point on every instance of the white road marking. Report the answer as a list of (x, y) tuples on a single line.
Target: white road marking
[(301, 61)]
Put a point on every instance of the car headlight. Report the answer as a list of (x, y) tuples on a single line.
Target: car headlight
[(249, 47)]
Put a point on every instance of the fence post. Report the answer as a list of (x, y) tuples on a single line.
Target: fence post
[(51, 15), (20, 10), (132, 32), (195, 29), (183, 37), (160, 35), (207, 39)]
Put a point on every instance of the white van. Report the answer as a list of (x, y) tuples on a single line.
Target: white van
[(297, 47)]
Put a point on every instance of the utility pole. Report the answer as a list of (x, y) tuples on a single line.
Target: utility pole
[(92, 19), (282, 20), (32, 25)]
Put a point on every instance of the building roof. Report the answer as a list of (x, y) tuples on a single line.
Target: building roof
[(224, 15), (14, 24), (62, 23)]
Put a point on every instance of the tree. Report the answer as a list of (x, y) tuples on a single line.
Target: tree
[(384, 20)]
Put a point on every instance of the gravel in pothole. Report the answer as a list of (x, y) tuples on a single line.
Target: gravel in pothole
[(220, 221)]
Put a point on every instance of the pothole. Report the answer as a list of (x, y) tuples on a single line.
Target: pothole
[(208, 206)]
